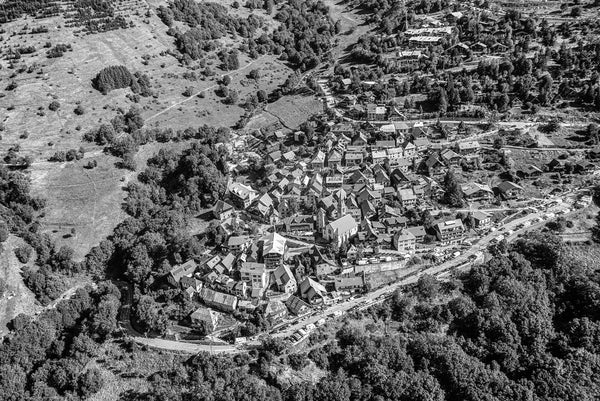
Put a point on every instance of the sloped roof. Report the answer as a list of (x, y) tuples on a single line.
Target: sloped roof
[(343, 224), (273, 243), (186, 269)]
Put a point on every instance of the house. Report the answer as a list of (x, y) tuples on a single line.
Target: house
[(192, 282), (407, 197), (289, 156), (342, 129), (529, 171), (419, 233), (242, 195), (509, 189), (474, 191), (379, 156), (275, 310), (359, 141), (450, 231), (468, 147), (481, 219), (423, 41), (297, 306), (584, 166), (213, 262), (421, 144), (556, 165), (410, 150), (227, 262), (434, 166), (352, 284), (340, 230), (354, 158), (238, 244), (404, 241), (284, 280), (274, 157), (273, 250), (205, 319), (240, 289), (408, 58), (255, 274), (312, 291), (334, 159), (376, 113), (383, 145), (450, 157), (300, 223), (219, 300), (222, 210), (176, 273), (318, 162)]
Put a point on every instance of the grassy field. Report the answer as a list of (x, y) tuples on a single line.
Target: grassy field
[(89, 200), (81, 199), (294, 110)]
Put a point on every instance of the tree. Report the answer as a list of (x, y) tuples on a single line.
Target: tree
[(442, 101), (112, 77), (90, 382), (151, 315), (261, 95), (596, 230), (453, 194), (54, 105), (427, 287), (4, 232), (551, 127), (596, 195), (592, 132)]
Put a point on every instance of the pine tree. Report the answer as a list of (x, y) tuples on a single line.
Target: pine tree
[(453, 195), (596, 230)]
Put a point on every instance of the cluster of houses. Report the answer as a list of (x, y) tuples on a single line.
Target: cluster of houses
[(358, 196)]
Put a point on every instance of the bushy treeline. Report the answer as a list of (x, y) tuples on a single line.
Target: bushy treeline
[(118, 77), (207, 21), (524, 326), (304, 37), (46, 358)]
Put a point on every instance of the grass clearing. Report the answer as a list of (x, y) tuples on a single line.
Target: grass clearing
[(88, 201), (294, 110)]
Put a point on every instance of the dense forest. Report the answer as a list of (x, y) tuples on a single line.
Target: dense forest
[(524, 326), (303, 38), (47, 358)]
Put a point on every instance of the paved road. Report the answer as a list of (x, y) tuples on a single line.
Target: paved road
[(413, 274), (186, 347), (410, 276)]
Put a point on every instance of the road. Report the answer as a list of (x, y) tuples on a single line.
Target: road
[(186, 347), (412, 275)]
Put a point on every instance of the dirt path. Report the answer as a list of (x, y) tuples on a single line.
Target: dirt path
[(17, 298)]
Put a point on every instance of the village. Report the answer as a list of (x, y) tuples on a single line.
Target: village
[(368, 190), (356, 215)]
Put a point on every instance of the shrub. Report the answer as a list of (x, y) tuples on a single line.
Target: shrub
[(79, 110), (54, 105), (113, 77), (23, 253)]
